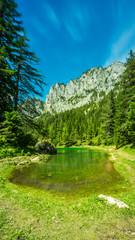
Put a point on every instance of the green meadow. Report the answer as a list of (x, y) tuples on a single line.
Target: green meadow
[(32, 213)]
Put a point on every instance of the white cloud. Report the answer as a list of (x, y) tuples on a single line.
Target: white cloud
[(50, 13), (122, 46), (118, 9), (73, 31), (76, 20)]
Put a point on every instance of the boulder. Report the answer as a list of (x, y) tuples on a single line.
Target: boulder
[(112, 200), (45, 147)]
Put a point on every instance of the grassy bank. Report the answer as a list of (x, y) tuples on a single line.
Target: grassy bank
[(28, 213)]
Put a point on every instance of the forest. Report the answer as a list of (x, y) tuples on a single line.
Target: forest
[(111, 121)]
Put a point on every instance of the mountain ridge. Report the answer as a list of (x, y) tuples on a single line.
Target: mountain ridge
[(90, 86)]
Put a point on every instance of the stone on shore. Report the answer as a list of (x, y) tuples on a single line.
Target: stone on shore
[(112, 200)]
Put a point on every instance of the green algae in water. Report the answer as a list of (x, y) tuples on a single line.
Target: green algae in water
[(71, 172)]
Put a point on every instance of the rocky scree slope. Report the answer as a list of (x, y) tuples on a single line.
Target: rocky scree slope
[(91, 86)]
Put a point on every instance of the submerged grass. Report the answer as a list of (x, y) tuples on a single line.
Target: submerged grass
[(28, 213)]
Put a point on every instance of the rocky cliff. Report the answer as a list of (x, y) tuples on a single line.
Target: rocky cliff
[(91, 86), (32, 107)]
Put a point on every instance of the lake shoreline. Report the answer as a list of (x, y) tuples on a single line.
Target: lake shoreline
[(71, 173), (28, 213)]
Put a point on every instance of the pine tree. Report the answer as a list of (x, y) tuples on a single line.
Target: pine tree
[(129, 81), (11, 129), (9, 30), (27, 78), (7, 86), (131, 122), (19, 78), (125, 117), (107, 118)]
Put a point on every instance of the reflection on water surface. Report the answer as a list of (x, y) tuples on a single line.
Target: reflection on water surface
[(71, 172)]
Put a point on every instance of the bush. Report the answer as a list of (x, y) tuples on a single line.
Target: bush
[(8, 152), (11, 151), (45, 147)]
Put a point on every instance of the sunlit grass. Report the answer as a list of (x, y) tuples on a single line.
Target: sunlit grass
[(28, 213)]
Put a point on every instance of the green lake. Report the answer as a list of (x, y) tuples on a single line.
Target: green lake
[(72, 172)]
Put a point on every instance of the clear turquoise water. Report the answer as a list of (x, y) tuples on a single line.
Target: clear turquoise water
[(71, 172)]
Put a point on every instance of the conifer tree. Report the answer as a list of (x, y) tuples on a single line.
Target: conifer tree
[(27, 78), (125, 117), (11, 130), (9, 30), (107, 118), (131, 122), (19, 78)]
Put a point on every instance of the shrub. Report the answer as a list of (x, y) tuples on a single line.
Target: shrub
[(12, 151), (8, 151)]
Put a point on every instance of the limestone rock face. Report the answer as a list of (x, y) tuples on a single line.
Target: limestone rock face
[(91, 86), (32, 107)]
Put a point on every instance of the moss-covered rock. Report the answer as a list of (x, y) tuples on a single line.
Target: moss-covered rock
[(45, 147)]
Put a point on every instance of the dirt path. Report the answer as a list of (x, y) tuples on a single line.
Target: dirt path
[(126, 155), (114, 152)]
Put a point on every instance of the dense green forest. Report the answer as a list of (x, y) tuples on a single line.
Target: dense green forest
[(110, 121)]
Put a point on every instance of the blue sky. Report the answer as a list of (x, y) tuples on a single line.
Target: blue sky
[(72, 36)]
